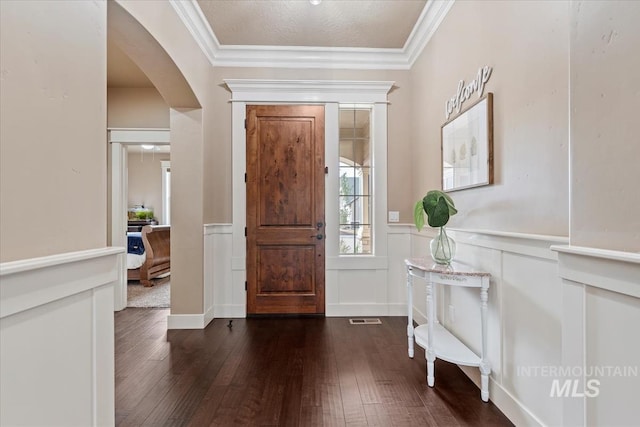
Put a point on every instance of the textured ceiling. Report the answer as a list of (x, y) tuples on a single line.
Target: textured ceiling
[(332, 23)]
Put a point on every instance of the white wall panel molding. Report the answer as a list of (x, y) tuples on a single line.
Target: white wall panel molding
[(357, 262), (536, 245), (32, 282), (398, 228), (312, 57), (218, 229), (611, 270), (219, 274), (239, 263), (56, 314), (525, 315), (517, 413), (601, 310)]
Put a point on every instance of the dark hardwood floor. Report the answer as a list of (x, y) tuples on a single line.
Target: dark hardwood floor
[(284, 372)]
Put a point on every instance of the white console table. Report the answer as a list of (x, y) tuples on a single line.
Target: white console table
[(435, 338)]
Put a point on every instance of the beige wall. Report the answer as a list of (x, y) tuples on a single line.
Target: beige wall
[(145, 181), (526, 43), (399, 175), (605, 146), (53, 128), (192, 123), (136, 108)]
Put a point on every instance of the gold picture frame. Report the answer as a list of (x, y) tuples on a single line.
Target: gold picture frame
[(467, 147)]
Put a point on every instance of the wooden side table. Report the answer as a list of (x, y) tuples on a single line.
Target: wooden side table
[(435, 338)]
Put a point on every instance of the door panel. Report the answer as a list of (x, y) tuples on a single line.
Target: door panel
[(285, 209)]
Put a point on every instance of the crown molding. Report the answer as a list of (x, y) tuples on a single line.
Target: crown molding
[(312, 57), (430, 19), (258, 90), (191, 15)]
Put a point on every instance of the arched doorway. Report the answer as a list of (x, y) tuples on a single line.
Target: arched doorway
[(186, 129)]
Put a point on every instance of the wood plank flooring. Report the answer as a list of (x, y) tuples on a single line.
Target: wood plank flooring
[(284, 372)]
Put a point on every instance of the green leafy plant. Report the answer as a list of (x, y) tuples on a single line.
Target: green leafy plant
[(438, 206), (144, 214)]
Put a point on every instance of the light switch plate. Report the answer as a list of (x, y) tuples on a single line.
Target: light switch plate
[(394, 216)]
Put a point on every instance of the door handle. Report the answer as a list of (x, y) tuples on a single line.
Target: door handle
[(319, 225), (318, 236)]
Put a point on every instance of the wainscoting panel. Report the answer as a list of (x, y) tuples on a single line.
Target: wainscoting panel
[(57, 334), (601, 314), (354, 286), (219, 273), (532, 332), (611, 332), (524, 324)]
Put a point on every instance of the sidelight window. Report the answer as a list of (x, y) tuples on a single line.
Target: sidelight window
[(356, 190)]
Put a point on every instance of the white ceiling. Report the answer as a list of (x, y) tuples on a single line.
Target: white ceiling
[(357, 34)]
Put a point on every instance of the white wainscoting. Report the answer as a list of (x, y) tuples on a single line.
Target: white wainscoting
[(370, 286), (525, 315), (601, 314), (355, 286), (217, 292), (57, 339), (224, 296)]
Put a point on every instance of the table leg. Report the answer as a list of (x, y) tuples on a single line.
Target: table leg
[(430, 353), (410, 337), (485, 366), (484, 382)]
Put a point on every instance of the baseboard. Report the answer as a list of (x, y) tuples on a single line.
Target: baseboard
[(509, 405), (348, 310), (187, 321), (397, 309), (208, 316)]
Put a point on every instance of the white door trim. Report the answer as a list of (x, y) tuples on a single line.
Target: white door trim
[(118, 139), (328, 93)]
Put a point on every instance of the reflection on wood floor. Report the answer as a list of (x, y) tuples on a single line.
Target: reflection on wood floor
[(284, 371)]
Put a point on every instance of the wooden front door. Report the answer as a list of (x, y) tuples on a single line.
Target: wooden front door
[(285, 209)]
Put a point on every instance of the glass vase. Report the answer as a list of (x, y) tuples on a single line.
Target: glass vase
[(443, 247)]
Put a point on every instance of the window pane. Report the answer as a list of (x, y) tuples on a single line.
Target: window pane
[(355, 199), (356, 240)]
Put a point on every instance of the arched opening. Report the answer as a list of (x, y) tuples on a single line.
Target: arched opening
[(186, 135)]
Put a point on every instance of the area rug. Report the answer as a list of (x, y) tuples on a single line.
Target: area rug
[(155, 296)]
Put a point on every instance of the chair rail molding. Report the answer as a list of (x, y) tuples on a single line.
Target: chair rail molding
[(56, 318), (615, 271)]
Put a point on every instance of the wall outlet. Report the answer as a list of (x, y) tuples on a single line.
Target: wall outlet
[(394, 216), (452, 314)]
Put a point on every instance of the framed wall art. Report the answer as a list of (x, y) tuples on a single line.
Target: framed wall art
[(467, 147)]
